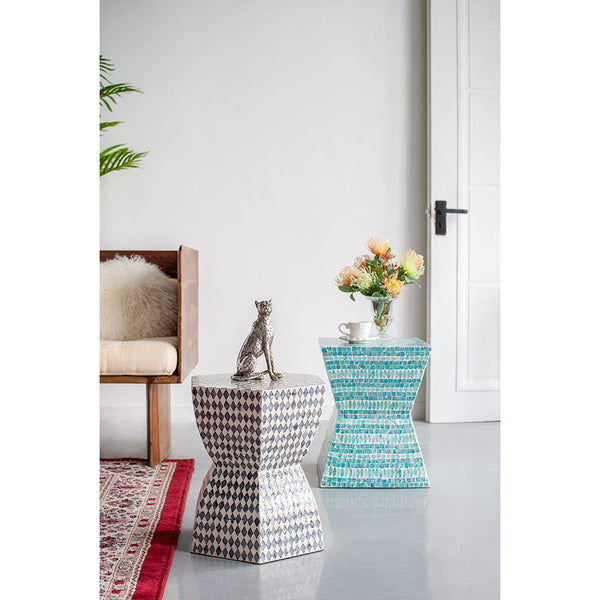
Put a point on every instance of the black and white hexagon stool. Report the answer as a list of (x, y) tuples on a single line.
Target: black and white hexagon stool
[(255, 504)]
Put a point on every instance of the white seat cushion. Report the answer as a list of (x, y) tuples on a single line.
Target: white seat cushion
[(150, 356)]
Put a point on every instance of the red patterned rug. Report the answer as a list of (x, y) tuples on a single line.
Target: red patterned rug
[(141, 508)]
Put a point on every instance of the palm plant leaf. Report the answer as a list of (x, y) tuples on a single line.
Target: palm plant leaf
[(116, 157), (108, 93), (106, 124), (119, 157), (105, 67)]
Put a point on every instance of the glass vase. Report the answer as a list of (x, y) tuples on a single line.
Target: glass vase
[(382, 313)]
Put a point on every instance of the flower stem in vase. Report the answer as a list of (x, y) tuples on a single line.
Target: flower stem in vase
[(382, 314)]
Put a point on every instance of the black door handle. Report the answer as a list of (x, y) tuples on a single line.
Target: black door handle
[(440, 215)]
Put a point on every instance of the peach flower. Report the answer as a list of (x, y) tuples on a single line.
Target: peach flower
[(378, 246), (346, 276), (360, 262), (393, 286)]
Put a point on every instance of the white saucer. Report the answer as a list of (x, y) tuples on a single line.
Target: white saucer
[(354, 341)]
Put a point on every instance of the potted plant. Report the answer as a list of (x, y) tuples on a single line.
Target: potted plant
[(380, 279), (118, 156)]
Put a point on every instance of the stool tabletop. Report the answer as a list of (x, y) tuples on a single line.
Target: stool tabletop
[(381, 342), (288, 381)]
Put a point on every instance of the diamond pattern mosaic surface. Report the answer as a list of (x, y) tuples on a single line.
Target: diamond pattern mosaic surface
[(255, 504), (372, 441)]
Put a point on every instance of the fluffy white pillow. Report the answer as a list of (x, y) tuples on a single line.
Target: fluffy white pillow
[(137, 300)]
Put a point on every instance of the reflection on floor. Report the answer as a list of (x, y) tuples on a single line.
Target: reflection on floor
[(437, 543)]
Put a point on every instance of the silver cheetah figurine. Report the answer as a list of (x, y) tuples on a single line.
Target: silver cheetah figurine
[(259, 341)]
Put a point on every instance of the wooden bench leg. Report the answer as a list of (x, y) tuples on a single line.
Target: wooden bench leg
[(158, 417)]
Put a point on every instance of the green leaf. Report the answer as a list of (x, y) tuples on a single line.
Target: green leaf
[(116, 157), (110, 92), (352, 297), (116, 89), (346, 288), (119, 157), (105, 65), (106, 124)]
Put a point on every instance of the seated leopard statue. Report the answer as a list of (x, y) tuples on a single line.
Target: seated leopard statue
[(258, 342)]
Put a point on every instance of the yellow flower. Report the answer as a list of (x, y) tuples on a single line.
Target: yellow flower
[(413, 265), (393, 286), (378, 246), (346, 276)]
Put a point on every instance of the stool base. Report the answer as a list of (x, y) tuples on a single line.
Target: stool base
[(256, 516)]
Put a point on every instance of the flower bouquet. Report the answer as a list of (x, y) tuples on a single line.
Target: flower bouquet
[(381, 279)]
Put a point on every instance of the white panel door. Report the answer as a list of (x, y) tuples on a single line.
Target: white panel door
[(464, 170)]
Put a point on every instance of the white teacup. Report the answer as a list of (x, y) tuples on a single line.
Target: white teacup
[(356, 330)]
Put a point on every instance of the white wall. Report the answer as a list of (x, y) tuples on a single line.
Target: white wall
[(282, 135)]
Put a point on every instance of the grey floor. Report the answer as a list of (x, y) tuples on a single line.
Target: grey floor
[(438, 543)]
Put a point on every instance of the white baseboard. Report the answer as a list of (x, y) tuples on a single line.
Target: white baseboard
[(418, 411)]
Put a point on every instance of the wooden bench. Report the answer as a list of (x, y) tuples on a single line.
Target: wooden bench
[(183, 265)]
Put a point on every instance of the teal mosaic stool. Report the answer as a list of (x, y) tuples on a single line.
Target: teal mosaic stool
[(372, 441)]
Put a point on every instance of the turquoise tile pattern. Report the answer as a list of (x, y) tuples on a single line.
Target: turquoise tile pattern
[(372, 441)]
